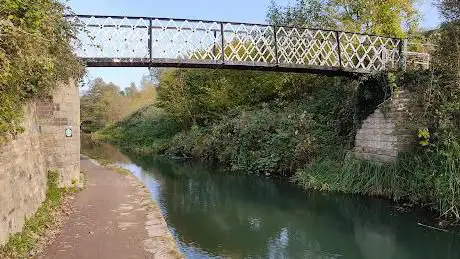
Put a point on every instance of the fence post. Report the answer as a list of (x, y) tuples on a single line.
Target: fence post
[(405, 51), (403, 54), (214, 44), (150, 41), (276, 44), (222, 42), (384, 57), (337, 36)]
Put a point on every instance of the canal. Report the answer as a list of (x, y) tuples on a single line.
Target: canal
[(213, 214)]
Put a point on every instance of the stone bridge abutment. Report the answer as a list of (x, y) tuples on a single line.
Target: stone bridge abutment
[(384, 134)]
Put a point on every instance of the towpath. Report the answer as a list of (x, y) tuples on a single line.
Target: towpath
[(113, 217)]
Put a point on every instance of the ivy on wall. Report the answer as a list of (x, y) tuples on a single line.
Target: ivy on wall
[(35, 54)]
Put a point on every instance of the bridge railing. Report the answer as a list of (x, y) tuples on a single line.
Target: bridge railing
[(142, 41)]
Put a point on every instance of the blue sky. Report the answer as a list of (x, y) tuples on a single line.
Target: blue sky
[(252, 11)]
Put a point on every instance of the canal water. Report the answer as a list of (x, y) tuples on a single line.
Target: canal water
[(212, 214)]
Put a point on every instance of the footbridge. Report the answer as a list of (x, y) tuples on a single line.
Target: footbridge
[(120, 41)]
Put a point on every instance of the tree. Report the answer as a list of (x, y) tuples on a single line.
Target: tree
[(396, 18), (308, 13), (450, 9), (448, 49), (131, 90), (447, 60), (105, 103), (95, 104)]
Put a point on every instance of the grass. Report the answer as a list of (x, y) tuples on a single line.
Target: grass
[(20, 244), (103, 162), (108, 164), (119, 170), (428, 179)]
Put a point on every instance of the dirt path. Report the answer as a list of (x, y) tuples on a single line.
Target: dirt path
[(114, 217)]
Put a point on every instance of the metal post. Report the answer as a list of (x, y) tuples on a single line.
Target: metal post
[(276, 44), (402, 54), (405, 54), (320, 54), (400, 47), (150, 40), (337, 36), (384, 57), (214, 45), (223, 41)]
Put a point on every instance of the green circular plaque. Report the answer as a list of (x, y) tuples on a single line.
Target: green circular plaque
[(68, 132)]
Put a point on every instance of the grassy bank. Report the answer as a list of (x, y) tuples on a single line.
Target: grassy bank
[(20, 244), (430, 180)]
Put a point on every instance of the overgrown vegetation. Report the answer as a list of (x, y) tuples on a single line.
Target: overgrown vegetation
[(304, 125), (256, 122), (104, 103), (35, 55), (20, 244)]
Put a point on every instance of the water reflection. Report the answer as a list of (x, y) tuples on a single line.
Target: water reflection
[(235, 216)]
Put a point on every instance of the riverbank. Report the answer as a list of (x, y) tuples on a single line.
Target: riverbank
[(114, 217)]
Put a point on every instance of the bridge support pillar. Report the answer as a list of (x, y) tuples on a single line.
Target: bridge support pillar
[(383, 135), (59, 120)]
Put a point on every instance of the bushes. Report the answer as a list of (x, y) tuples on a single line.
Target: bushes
[(276, 137), (430, 175), (304, 117), (145, 131), (265, 140), (35, 54), (200, 97)]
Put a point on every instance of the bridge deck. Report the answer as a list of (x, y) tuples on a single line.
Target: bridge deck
[(260, 66), (116, 41)]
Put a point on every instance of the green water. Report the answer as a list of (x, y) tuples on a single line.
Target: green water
[(216, 215)]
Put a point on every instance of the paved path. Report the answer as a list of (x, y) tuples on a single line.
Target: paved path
[(112, 218)]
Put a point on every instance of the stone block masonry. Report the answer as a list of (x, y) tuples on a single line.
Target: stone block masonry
[(381, 137), (54, 116), (26, 159)]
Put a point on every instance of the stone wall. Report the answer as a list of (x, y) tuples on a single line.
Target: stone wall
[(26, 159), (54, 116), (382, 135)]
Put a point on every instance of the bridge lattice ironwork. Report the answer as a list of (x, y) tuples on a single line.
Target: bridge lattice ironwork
[(145, 41)]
